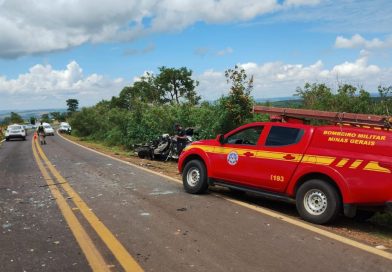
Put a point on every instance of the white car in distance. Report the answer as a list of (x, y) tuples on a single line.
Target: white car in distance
[(15, 131), (48, 129), (65, 128)]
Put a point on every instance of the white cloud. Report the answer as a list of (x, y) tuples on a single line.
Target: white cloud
[(145, 74), (277, 79), (133, 51), (212, 84), (358, 69), (225, 51), (358, 41), (301, 2), (43, 85), (30, 27), (42, 82), (201, 51)]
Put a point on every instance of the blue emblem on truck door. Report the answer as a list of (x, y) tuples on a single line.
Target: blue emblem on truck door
[(232, 158)]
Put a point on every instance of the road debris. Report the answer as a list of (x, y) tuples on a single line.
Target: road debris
[(381, 247), (156, 192), (7, 225), (47, 185)]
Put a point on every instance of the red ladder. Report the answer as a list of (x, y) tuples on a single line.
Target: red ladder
[(335, 117)]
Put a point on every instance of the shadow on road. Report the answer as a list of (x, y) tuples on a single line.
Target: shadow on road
[(374, 231)]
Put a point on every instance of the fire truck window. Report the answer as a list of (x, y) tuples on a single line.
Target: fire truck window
[(282, 136), (248, 136)]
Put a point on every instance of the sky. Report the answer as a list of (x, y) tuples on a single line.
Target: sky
[(53, 50)]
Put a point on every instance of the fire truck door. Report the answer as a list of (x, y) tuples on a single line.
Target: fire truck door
[(232, 161), (279, 157)]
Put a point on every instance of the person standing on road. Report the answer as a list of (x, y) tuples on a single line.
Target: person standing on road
[(41, 133)]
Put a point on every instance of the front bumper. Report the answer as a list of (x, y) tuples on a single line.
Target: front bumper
[(15, 136)]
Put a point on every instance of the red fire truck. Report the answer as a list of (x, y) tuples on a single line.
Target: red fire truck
[(344, 167)]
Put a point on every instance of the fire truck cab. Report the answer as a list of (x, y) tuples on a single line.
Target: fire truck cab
[(325, 170)]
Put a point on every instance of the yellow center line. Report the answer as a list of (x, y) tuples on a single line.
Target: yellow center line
[(122, 255), (94, 258)]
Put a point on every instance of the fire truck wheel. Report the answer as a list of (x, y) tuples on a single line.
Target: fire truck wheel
[(194, 177), (318, 201)]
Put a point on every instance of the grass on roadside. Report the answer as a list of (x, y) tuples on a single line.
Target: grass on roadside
[(117, 150), (2, 131), (384, 219)]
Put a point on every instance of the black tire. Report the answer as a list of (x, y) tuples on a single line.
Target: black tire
[(363, 215), (194, 177), (24, 138), (7, 139), (144, 152), (318, 201)]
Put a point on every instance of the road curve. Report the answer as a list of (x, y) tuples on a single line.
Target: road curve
[(157, 223)]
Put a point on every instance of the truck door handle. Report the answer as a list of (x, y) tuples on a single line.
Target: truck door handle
[(249, 154), (288, 157)]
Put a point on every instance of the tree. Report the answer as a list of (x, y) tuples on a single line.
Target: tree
[(385, 105), (175, 85), (16, 118), (6, 121), (33, 120), (58, 116), (147, 91), (72, 105), (142, 91), (45, 118), (316, 96), (236, 108), (347, 98)]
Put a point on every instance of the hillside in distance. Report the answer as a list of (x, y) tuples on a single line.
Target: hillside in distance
[(26, 114)]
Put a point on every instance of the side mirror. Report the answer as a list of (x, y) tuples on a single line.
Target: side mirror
[(220, 138)]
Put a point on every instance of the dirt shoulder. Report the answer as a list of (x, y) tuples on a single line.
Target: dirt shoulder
[(376, 232)]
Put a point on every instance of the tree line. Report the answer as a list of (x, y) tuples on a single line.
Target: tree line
[(155, 103), (152, 105), (346, 98)]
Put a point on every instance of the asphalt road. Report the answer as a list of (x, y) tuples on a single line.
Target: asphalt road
[(133, 216)]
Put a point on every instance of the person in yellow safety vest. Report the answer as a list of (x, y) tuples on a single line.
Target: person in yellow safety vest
[(41, 133)]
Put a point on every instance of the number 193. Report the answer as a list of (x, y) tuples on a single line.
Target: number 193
[(277, 178)]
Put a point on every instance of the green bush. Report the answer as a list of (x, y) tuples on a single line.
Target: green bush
[(384, 219)]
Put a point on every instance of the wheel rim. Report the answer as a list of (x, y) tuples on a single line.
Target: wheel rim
[(315, 202), (193, 176)]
